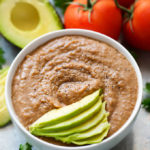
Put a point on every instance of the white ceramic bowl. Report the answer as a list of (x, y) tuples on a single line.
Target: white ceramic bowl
[(42, 145)]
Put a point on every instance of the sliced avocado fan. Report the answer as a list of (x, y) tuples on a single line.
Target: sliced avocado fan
[(79, 125), (93, 139), (74, 121), (4, 115), (21, 21), (56, 116), (96, 130), (80, 128)]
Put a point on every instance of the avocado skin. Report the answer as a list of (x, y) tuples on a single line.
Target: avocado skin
[(83, 127), (20, 44)]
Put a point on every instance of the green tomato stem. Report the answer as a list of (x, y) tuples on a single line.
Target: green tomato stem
[(89, 4), (86, 7), (123, 8)]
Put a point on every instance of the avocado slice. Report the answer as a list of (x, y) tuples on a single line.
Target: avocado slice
[(83, 127), (4, 70), (56, 116), (4, 115), (91, 132), (94, 139), (98, 129), (75, 121), (26, 20)]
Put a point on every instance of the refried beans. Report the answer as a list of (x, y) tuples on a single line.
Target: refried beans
[(68, 68)]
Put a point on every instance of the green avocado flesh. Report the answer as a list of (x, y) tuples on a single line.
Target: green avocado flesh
[(77, 120), (96, 130), (26, 20), (83, 122), (4, 115), (56, 116), (94, 139), (80, 128)]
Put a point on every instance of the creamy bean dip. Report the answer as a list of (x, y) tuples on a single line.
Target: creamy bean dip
[(66, 69)]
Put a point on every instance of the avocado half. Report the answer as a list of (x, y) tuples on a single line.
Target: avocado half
[(21, 21)]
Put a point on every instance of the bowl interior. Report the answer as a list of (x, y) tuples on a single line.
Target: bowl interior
[(45, 38)]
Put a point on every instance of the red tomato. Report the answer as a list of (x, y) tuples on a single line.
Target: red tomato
[(105, 17), (126, 3), (140, 36)]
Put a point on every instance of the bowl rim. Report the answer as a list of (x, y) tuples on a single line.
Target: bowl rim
[(52, 35)]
